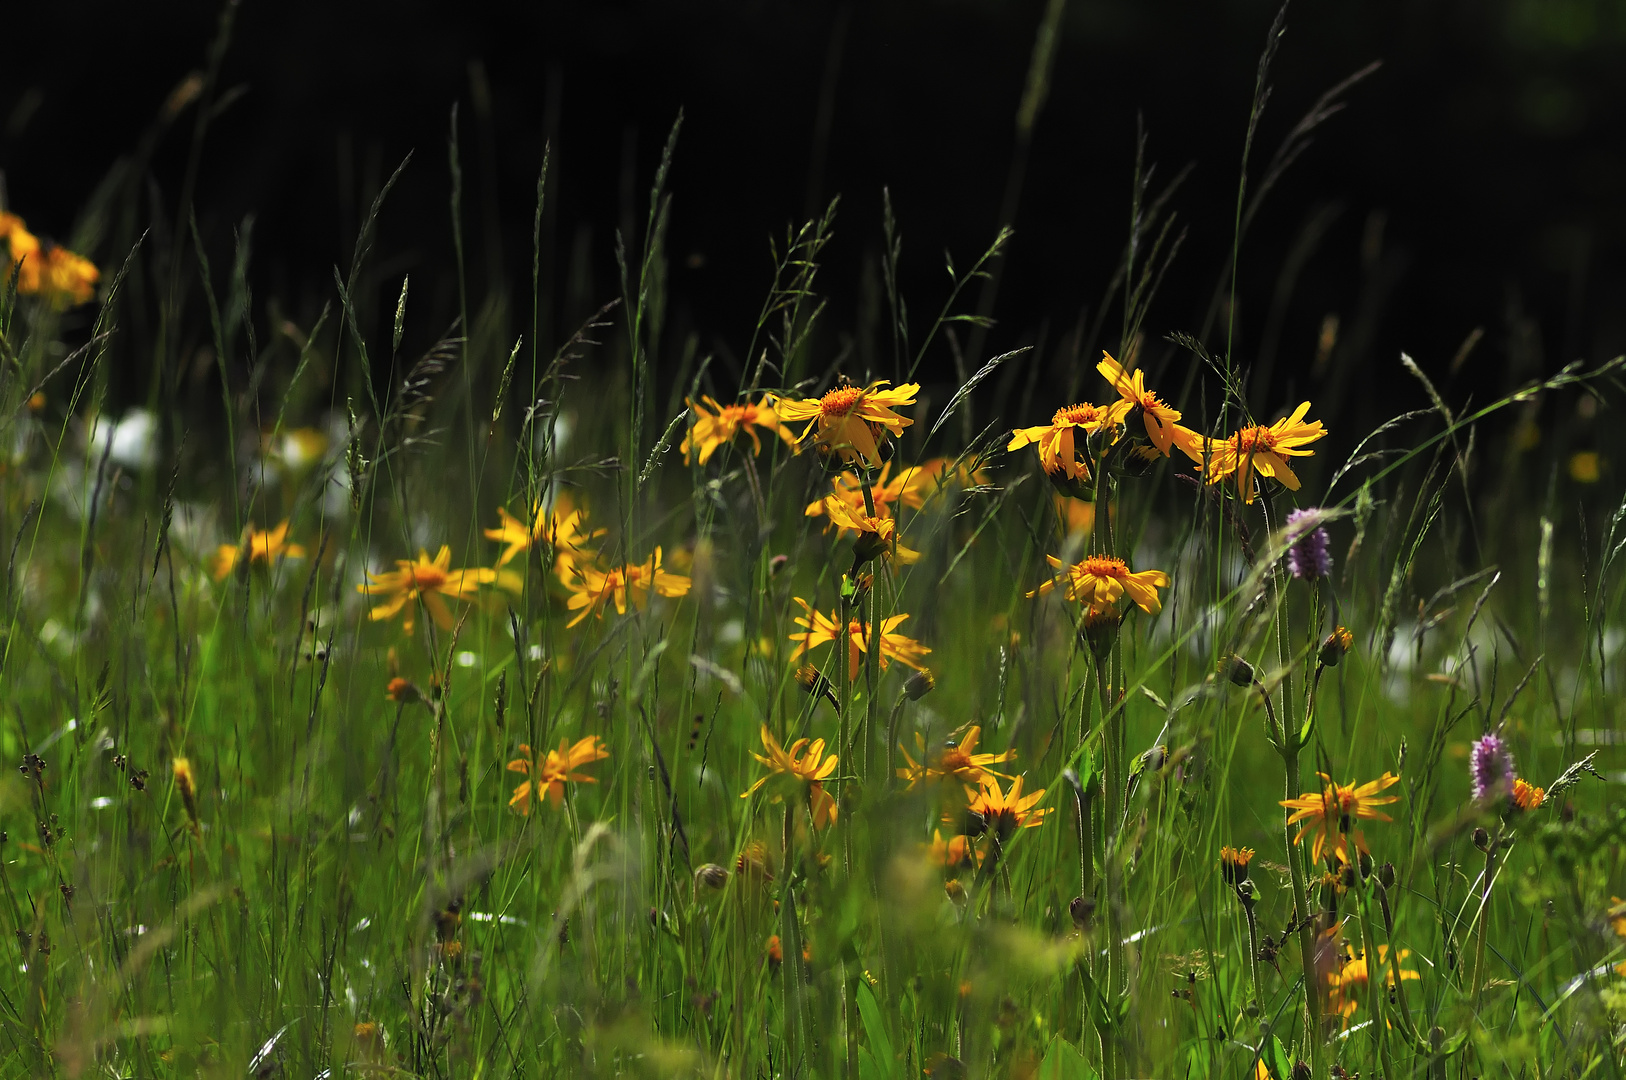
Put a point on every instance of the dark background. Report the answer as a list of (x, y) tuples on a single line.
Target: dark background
[(1477, 178)]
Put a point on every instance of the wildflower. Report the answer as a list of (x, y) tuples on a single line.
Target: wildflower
[(893, 646), (849, 489), (186, 788), (593, 587), (804, 762), (851, 422), (1526, 796), (954, 762), (1330, 813), (775, 954), (55, 274), (956, 851), (1346, 986), (266, 547), (813, 682), (1335, 646), (1264, 450), (549, 775), (428, 580), (1076, 516), (711, 429), (1491, 765), (920, 684), (1101, 580), (1308, 557), (1234, 864), (710, 875), (876, 535), (401, 690), (562, 527), (753, 861), (918, 483), (1003, 812), (1162, 422), (1058, 454)]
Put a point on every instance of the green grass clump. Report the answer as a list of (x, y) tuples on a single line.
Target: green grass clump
[(474, 712)]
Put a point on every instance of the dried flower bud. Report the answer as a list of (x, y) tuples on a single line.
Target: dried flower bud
[(919, 684), (710, 875), (1238, 671), (1481, 838)]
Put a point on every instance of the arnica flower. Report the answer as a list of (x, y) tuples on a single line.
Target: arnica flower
[(851, 422), (877, 536), (186, 788), (1526, 796), (562, 527), (1234, 864), (593, 587), (266, 547), (1056, 441), (1490, 764), (955, 761), (714, 425), (1347, 985), (1331, 813), (1337, 644), (428, 580), (1003, 812), (550, 773), (893, 646), (773, 953), (55, 274), (804, 762), (1308, 557), (1162, 422), (1264, 450), (1100, 581), (953, 853)]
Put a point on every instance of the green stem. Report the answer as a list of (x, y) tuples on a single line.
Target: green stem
[(1484, 923), (1301, 915)]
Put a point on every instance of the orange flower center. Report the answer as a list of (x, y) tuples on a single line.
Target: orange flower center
[(839, 402), (1078, 414), (428, 578), (1255, 439), (1104, 566)]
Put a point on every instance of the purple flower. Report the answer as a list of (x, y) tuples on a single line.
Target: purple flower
[(1491, 766), (1309, 556)]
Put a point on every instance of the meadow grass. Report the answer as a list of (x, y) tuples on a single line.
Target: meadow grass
[(261, 826)]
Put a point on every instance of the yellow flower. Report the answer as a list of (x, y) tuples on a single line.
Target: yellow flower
[(876, 535), (1331, 813), (1058, 453), (593, 587), (718, 426), (1003, 812), (1526, 796), (1076, 516), (1234, 864), (952, 853), (804, 762), (821, 630), (1264, 450), (430, 581), (53, 273), (563, 528), (550, 774), (266, 547), (954, 762), (1346, 985), (1101, 580), (852, 422), (1162, 422)]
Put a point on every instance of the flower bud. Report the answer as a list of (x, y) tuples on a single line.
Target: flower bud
[(1386, 875), (1082, 909), (1481, 839), (1238, 671), (919, 684), (710, 875), (1100, 629), (1337, 643)]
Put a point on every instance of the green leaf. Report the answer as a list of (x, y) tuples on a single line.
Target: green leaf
[(1277, 1061), (875, 1030), (1062, 1061)]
